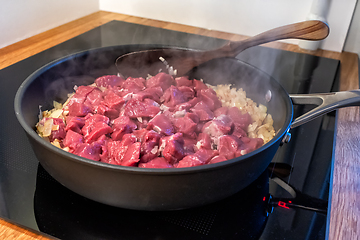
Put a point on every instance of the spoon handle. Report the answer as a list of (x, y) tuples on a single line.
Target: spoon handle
[(308, 30)]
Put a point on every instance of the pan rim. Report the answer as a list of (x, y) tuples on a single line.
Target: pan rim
[(152, 171)]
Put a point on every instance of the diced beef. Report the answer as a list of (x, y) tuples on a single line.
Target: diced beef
[(187, 105), (190, 161), (112, 100), (111, 113), (218, 158), (250, 144), (183, 81), (133, 85), (205, 155), (203, 111), (161, 124), (174, 148), (185, 125), (239, 131), (153, 93), (97, 130), (72, 137), (111, 152), (90, 121), (58, 131), (84, 90), (221, 125), (154, 123), (149, 101), (221, 111), (93, 99), (189, 145), (142, 122), (203, 141), (201, 157), (135, 108), (198, 85), (208, 96), (74, 123), (200, 126), (78, 109), (173, 96), (187, 92), (123, 121), (195, 118), (132, 155), (140, 133), (94, 118), (115, 150), (149, 146), (158, 162), (228, 146), (78, 106), (109, 80), (162, 80), (241, 120), (90, 151)]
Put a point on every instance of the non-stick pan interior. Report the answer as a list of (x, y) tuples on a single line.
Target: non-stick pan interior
[(147, 189), (57, 80)]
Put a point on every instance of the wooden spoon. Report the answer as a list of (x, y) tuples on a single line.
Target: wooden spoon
[(142, 63)]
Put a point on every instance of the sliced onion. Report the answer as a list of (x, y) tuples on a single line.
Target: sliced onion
[(56, 114), (48, 124)]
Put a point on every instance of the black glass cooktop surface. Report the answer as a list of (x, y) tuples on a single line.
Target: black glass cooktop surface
[(288, 201)]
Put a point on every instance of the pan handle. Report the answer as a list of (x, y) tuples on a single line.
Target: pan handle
[(326, 102)]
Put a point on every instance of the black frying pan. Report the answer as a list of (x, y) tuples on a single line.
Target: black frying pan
[(157, 189)]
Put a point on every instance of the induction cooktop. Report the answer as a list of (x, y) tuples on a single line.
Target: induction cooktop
[(29, 196)]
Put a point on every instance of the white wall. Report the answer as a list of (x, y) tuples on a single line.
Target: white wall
[(352, 43), (20, 19), (239, 16)]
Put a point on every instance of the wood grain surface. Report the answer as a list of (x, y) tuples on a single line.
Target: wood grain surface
[(344, 219)]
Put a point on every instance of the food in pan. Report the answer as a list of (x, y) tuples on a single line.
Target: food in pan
[(158, 122)]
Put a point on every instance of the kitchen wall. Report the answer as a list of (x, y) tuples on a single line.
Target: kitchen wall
[(352, 43), (20, 19), (240, 16)]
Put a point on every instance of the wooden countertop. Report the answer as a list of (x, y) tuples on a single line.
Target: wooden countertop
[(344, 221)]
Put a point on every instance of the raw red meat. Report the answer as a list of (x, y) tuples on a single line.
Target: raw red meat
[(72, 137), (154, 123), (74, 123), (208, 96), (203, 111), (109, 80), (158, 162), (239, 119), (60, 133), (149, 146), (135, 108), (173, 96), (162, 80), (161, 124), (90, 151), (183, 81), (174, 148)]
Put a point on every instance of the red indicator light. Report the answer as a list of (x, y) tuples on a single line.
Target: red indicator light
[(282, 204), (290, 202), (264, 198)]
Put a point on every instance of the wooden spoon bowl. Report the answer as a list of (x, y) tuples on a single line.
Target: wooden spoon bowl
[(146, 62)]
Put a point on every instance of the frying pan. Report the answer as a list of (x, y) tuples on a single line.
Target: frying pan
[(160, 189)]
